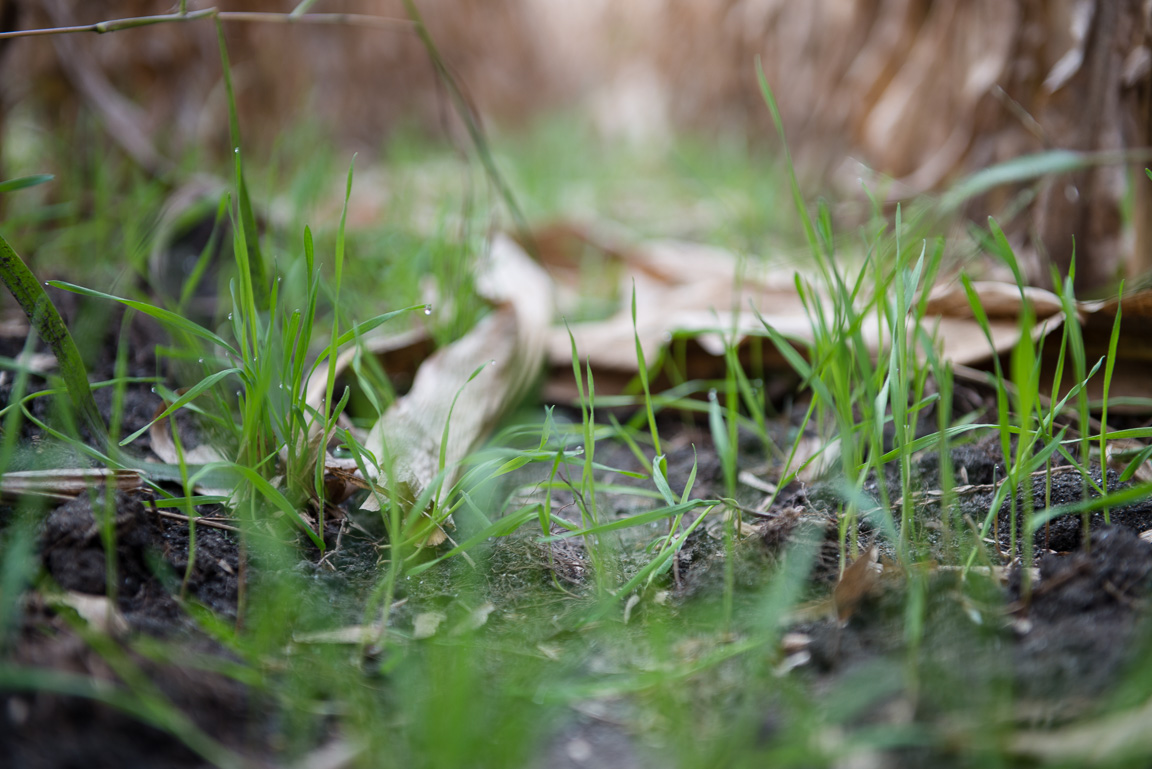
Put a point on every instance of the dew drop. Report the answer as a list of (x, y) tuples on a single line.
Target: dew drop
[(229, 316), (427, 309), (200, 361), (712, 395), (236, 151), (153, 389)]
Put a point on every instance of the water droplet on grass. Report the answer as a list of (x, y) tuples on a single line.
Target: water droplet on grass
[(427, 309), (229, 316)]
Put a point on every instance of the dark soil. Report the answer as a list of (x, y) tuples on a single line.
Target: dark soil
[(1058, 639)]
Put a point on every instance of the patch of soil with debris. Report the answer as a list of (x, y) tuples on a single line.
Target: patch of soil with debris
[(1059, 634)]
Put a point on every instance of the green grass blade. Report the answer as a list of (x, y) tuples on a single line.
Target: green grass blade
[(797, 196), (24, 182), (642, 365), (636, 520), (167, 317), (183, 400), (1113, 342), (660, 481), (1020, 169), (42, 314), (1115, 499), (251, 235)]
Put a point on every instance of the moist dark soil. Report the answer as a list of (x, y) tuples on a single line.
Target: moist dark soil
[(1059, 635)]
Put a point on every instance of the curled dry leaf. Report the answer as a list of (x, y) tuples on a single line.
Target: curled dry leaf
[(510, 342)]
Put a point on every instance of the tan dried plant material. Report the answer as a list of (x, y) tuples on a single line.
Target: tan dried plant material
[(426, 624), (164, 446), (97, 610), (349, 634), (475, 619), (507, 346), (857, 581), (65, 484)]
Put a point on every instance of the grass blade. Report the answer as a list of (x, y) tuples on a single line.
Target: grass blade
[(44, 317), (23, 182), (167, 317)]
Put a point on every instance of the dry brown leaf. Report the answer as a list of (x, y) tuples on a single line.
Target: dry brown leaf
[(689, 291), (855, 583)]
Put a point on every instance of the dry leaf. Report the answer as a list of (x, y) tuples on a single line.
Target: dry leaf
[(629, 605), (164, 447), (350, 634), (425, 624), (855, 583), (338, 753), (66, 484), (99, 612), (510, 340), (476, 619)]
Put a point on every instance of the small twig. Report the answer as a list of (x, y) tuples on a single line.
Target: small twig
[(117, 25), (199, 521), (349, 19), (113, 25)]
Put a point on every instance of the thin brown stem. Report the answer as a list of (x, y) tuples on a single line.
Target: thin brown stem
[(349, 19), (116, 25)]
